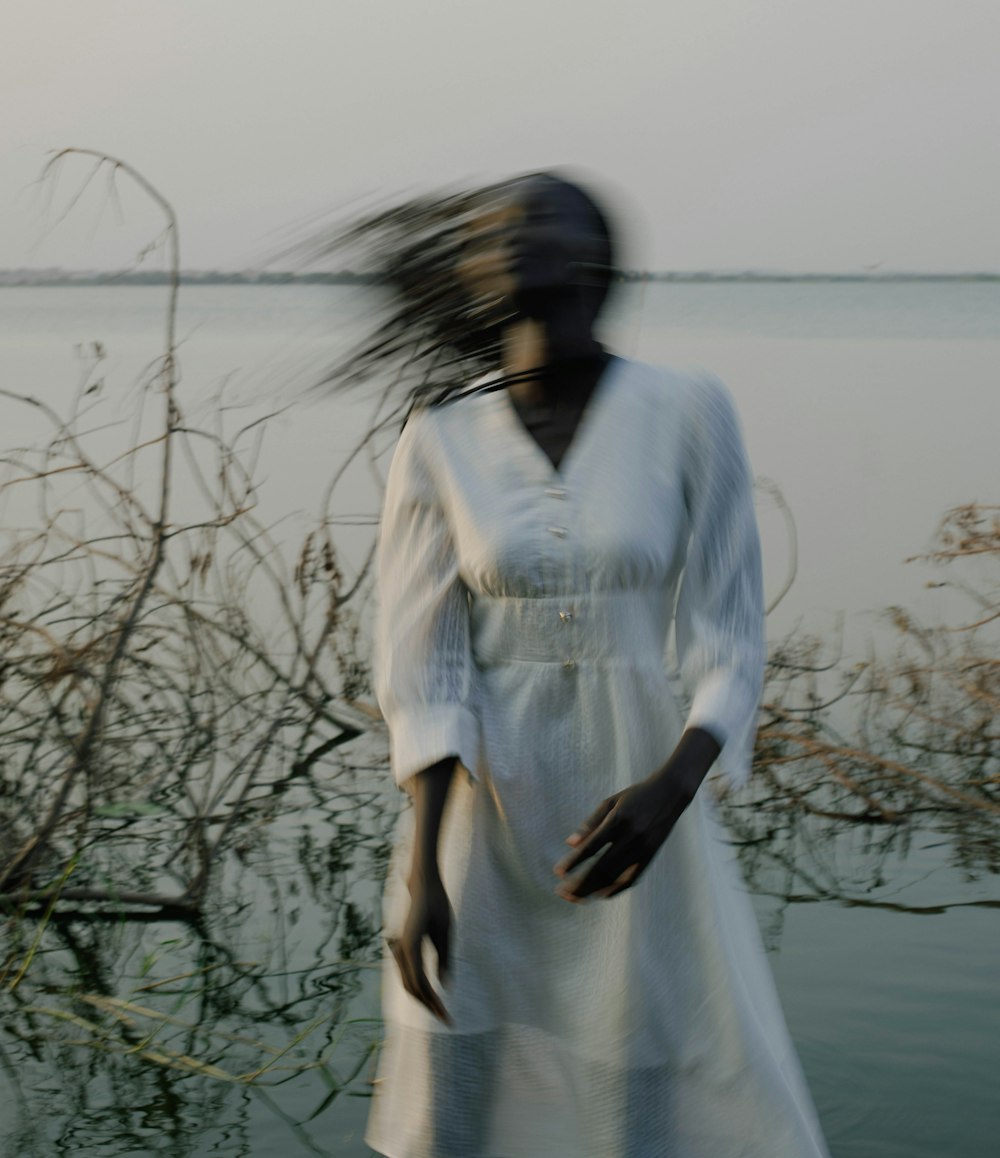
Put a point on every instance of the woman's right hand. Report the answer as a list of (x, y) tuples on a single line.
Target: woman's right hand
[(429, 916)]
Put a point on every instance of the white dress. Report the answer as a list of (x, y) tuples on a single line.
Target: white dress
[(524, 621)]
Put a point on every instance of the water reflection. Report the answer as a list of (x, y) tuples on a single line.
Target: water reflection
[(257, 1019), (124, 1035)]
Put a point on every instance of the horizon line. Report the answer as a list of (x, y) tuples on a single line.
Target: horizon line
[(26, 275)]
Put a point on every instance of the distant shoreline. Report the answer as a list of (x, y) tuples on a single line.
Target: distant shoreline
[(58, 277)]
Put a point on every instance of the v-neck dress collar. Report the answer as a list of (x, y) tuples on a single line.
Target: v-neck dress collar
[(530, 451)]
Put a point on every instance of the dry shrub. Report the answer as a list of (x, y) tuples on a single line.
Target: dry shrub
[(163, 669), (883, 749)]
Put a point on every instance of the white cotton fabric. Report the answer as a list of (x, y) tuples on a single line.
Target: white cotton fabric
[(524, 625)]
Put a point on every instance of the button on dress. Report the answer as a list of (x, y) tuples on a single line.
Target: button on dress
[(557, 630)]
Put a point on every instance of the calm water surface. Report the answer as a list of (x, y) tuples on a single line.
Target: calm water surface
[(873, 407)]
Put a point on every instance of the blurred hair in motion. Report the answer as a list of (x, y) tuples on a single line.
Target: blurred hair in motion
[(437, 259)]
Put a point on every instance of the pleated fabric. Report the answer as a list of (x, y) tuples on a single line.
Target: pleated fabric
[(557, 630)]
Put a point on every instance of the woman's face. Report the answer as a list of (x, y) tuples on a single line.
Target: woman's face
[(531, 250), (486, 264)]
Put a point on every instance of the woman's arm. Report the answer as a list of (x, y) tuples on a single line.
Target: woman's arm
[(720, 647), (690, 761), (430, 793), (422, 662), (430, 912), (423, 675)]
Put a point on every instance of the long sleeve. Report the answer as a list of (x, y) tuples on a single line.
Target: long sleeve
[(422, 660), (721, 648)]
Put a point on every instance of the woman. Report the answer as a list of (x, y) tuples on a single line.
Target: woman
[(601, 987)]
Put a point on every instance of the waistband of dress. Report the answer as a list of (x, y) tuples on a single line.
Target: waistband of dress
[(613, 627)]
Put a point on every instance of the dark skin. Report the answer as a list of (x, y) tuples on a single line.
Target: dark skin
[(555, 411), (430, 913), (526, 257)]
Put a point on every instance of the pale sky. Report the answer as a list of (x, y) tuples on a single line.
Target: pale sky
[(794, 134)]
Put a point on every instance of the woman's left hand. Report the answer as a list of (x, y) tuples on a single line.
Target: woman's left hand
[(631, 825)]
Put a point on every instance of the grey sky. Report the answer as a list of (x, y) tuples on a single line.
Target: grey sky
[(808, 134)]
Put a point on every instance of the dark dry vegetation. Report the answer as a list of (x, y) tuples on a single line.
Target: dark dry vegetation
[(170, 687), (886, 749), (173, 685), (136, 678)]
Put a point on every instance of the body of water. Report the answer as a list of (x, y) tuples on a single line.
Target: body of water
[(873, 407)]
